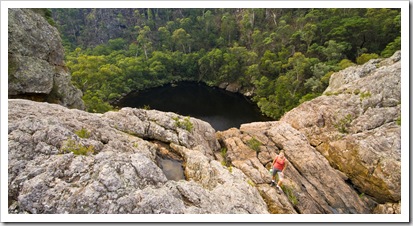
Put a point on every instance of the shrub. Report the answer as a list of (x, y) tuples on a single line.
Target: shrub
[(114, 96), (224, 162), (392, 47), (308, 97), (326, 78), (290, 195), (184, 124), (254, 144), (77, 149), (83, 133), (365, 95), (399, 121), (343, 124), (224, 152), (365, 57), (345, 63)]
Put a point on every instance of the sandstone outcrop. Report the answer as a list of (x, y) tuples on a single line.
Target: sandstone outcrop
[(355, 125), (36, 69), (312, 185), (118, 172)]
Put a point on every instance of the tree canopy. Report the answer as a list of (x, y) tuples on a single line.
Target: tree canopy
[(285, 55)]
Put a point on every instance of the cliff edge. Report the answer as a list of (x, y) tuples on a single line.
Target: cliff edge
[(69, 161)]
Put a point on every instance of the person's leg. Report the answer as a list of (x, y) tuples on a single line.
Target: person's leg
[(280, 180), (274, 172)]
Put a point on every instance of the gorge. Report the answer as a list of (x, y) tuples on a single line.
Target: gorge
[(344, 147), (221, 108)]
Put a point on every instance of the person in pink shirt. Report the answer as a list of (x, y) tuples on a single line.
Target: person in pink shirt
[(279, 165)]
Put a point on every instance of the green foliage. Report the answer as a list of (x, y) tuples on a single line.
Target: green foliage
[(345, 63), (399, 121), (254, 144), (77, 149), (184, 124), (285, 59), (309, 97), (47, 14), (95, 104), (392, 47), (290, 195), (224, 152), (365, 57), (83, 133), (343, 124), (364, 95), (332, 93), (224, 162), (251, 183), (230, 169)]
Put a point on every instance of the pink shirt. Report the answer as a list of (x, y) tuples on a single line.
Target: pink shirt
[(279, 163)]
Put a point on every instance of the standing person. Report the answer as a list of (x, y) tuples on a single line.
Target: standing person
[(279, 165)]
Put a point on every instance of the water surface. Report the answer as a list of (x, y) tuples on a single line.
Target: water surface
[(220, 108)]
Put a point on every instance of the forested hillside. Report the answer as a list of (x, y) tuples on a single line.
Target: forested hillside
[(284, 55)]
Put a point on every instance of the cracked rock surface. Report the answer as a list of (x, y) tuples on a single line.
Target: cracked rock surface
[(120, 175), (344, 149)]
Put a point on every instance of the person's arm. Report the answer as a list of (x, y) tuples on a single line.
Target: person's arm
[(285, 166), (275, 159)]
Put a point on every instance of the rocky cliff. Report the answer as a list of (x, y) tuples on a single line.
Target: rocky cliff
[(343, 148), (114, 169), (36, 69), (355, 125)]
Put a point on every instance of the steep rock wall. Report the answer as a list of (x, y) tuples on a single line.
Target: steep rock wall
[(355, 125), (36, 69)]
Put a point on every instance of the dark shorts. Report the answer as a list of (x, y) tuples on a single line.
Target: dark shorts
[(275, 170)]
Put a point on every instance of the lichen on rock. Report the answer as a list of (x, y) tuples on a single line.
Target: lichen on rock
[(121, 175), (36, 67)]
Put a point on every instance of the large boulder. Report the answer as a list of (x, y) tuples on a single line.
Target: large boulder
[(35, 61), (64, 160), (167, 127), (355, 125)]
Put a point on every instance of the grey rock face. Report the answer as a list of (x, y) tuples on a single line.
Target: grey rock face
[(354, 126), (166, 127), (36, 67), (343, 148), (119, 174)]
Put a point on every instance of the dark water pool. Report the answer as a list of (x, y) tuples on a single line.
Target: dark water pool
[(172, 169), (222, 109)]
